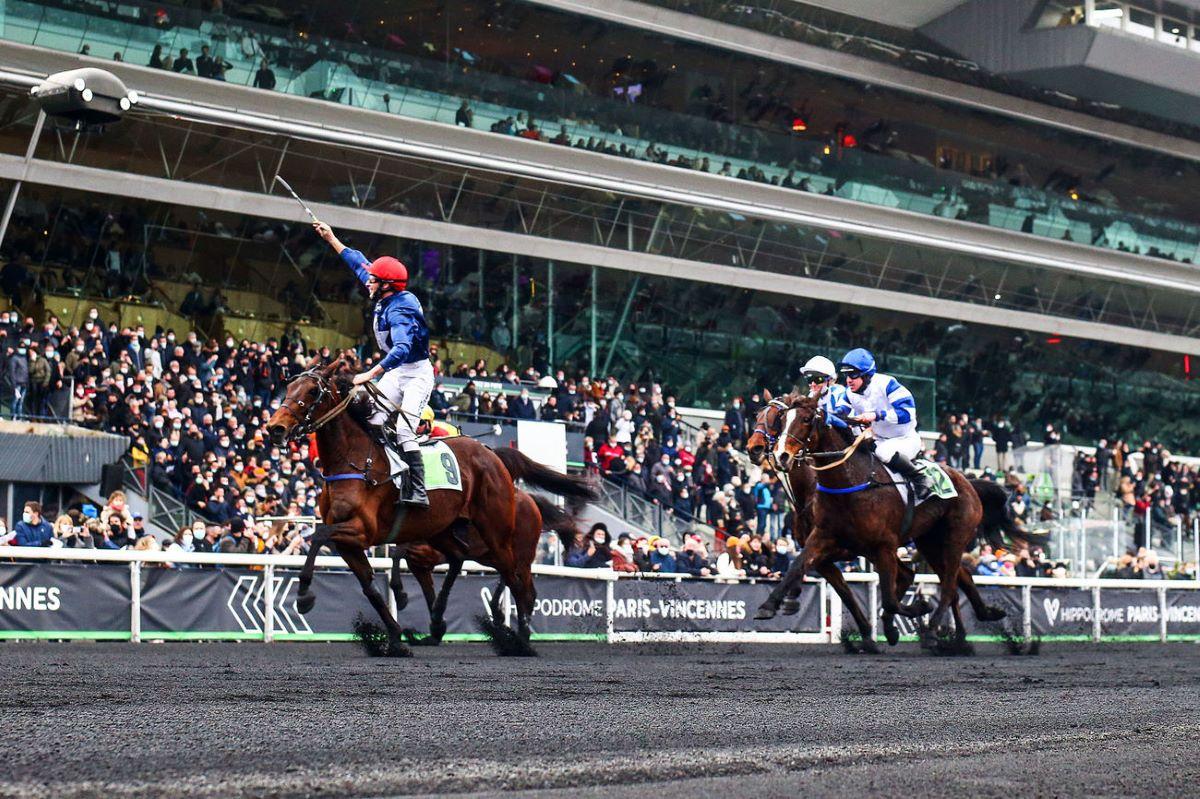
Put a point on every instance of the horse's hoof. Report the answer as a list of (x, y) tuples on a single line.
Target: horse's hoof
[(991, 613), (764, 612), (891, 634), (305, 602), (869, 647), (789, 607), (397, 649), (437, 631), (920, 606)]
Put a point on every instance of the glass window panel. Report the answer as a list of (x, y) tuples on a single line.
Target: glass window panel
[(1174, 32), (1109, 14), (1141, 23)]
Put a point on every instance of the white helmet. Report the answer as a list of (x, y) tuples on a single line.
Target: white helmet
[(821, 365)]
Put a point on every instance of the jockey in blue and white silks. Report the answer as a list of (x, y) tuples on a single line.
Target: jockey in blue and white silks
[(888, 407), (821, 377)]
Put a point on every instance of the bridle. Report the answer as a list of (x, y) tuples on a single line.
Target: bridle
[(842, 455), (325, 389)]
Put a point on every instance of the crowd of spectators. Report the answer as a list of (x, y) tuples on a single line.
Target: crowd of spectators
[(733, 557), (194, 414)]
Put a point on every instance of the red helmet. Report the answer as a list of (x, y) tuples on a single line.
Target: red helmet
[(389, 270)]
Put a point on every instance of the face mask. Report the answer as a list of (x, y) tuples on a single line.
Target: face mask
[(92, 314), (27, 517), (599, 539)]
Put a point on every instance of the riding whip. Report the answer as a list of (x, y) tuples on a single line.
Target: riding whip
[(292, 192)]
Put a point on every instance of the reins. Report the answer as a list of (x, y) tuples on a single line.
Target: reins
[(845, 454)]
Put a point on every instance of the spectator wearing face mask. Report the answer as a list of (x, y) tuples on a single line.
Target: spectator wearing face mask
[(522, 407), (594, 551), (662, 560), (33, 530), (784, 552), (7, 536), (116, 506), (693, 558), (16, 375)]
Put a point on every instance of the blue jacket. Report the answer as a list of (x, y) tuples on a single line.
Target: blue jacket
[(836, 404), (665, 563), (399, 323), (33, 535)]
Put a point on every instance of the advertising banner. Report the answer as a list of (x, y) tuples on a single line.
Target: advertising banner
[(89, 600), (699, 606)]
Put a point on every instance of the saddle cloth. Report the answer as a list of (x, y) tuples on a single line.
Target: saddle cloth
[(441, 467), (940, 485)]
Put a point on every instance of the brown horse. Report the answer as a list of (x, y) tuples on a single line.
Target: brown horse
[(359, 503), (534, 514), (801, 484), (852, 516)]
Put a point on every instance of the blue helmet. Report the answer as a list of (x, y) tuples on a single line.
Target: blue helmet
[(857, 362)]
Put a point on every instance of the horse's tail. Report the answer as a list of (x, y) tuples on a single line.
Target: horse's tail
[(521, 467), (996, 522), (555, 518)]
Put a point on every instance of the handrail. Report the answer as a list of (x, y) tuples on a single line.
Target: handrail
[(607, 575)]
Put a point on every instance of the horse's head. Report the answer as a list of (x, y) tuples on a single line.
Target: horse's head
[(802, 423), (767, 427), (310, 396)]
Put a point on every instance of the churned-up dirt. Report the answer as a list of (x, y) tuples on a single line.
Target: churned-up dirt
[(291, 720)]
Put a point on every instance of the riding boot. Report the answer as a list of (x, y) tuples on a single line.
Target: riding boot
[(415, 494), (915, 477)]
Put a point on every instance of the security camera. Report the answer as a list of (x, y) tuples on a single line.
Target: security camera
[(85, 98)]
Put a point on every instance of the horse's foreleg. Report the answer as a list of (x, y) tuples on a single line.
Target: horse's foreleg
[(788, 588), (437, 610), (983, 611), (305, 599), (829, 570), (361, 567), (395, 582), (904, 581)]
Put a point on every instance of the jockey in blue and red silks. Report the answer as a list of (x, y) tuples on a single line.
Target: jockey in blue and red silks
[(405, 373)]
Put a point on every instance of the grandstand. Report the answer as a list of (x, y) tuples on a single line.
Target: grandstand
[(626, 222)]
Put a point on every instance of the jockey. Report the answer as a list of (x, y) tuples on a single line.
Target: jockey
[(435, 428), (821, 376), (401, 333), (888, 407)]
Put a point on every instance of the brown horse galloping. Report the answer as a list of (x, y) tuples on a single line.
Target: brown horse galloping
[(358, 504), (852, 516), (801, 485)]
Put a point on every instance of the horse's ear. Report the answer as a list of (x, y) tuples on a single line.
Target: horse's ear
[(767, 395)]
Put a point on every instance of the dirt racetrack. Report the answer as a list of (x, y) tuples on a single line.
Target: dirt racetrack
[(289, 720)]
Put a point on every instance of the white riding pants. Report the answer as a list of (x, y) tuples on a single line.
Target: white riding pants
[(408, 388), (910, 446)]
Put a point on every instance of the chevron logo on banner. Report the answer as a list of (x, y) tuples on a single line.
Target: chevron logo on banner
[(246, 604)]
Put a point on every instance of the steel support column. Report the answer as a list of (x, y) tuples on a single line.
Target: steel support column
[(16, 189)]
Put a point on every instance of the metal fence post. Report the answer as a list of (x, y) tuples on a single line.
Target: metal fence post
[(269, 603), (1178, 541), (1116, 533), (1162, 613), (874, 606), (1027, 611), (835, 617), (135, 604), (1196, 548), (610, 610), (1096, 613)]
